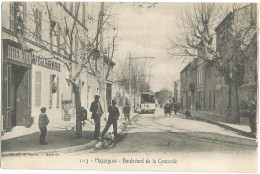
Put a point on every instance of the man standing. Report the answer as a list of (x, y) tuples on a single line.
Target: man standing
[(126, 112), (112, 119), (97, 112)]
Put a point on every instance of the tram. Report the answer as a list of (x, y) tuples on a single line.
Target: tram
[(148, 102)]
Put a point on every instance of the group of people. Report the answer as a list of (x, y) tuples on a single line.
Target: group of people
[(97, 113), (170, 107), (113, 112)]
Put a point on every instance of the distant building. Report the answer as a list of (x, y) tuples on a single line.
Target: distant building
[(207, 86), (177, 91)]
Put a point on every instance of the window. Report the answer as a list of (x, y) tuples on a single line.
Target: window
[(37, 88), (12, 16), (29, 86), (17, 16), (58, 37), (58, 92), (83, 14), (54, 90), (38, 23)]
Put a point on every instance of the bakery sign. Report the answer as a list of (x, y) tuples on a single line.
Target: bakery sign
[(30, 58)]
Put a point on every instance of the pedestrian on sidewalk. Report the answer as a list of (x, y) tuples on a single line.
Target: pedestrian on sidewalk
[(171, 106), (126, 112), (84, 115), (166, 109), (188, 114), (175, 108), (43, 122), (112, 119), (97, 112), (252, 116)]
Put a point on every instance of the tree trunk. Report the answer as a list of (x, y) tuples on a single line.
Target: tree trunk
[(78, 111), (233, 106)]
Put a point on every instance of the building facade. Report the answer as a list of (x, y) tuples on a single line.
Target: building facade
[(177, 91), (213, 93), (31, 77)]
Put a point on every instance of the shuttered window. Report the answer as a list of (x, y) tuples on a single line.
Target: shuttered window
[(37, 88), (58, 92)]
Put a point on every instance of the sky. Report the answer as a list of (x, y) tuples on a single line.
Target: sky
[(146, 32)]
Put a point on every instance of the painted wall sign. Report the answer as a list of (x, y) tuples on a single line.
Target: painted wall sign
[(30, 58)]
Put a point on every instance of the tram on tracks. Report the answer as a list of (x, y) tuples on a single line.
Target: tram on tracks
[(148, 102)]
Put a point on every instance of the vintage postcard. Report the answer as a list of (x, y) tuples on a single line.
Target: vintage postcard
[(130, 86)]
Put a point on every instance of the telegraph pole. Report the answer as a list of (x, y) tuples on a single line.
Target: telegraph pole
[(130, 69), (130, 65)]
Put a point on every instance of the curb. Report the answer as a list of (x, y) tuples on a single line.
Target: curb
[(61, 150), (241, 132)]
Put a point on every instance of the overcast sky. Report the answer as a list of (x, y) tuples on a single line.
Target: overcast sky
[(146, 32)]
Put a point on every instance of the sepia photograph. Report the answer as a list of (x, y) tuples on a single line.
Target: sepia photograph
[(130, 86)]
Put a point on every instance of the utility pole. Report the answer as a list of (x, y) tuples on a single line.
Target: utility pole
[(130, 65), (130, 69)]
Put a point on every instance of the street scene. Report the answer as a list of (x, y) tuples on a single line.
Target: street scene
[(94, 83)]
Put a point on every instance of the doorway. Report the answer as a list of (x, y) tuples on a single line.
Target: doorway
[(21, 96), (17, 96)]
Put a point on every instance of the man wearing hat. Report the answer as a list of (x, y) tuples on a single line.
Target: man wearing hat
[(97, 112), (112, 119)]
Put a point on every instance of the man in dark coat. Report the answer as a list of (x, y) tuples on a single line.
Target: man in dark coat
[(252, 116), (175, 108), (112, 119), (97, 112)]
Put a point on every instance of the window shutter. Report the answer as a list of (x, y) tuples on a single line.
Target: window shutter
[(50, 102), (37, 88), (58, 92), (12, 16)]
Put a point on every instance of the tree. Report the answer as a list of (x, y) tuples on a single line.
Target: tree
[(163, 96), (197, 40), (138, 79), (79, 47)]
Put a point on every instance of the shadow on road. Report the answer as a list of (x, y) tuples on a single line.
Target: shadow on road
[(55, 139), (182, 142)]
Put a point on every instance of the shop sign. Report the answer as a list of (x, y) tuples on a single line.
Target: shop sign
[(30, 58)]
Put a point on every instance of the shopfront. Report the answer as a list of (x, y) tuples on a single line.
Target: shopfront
[(17, 79), (16, 86)]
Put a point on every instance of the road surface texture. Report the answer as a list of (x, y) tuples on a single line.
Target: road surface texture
[(160, 133)]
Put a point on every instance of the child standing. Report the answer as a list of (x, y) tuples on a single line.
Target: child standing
[(43, 122)]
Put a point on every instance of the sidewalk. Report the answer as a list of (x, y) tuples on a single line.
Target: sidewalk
[(61, 138), (212, 118)]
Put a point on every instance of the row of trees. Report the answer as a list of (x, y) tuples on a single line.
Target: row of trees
[(198, 23), (137, 78)]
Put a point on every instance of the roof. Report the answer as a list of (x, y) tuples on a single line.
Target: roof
[(186, 67), (229, 16), (148, 92), (107, 60)]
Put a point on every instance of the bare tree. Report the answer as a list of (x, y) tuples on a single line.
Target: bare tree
[(138, 79), (197, 41), (79, 47)]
